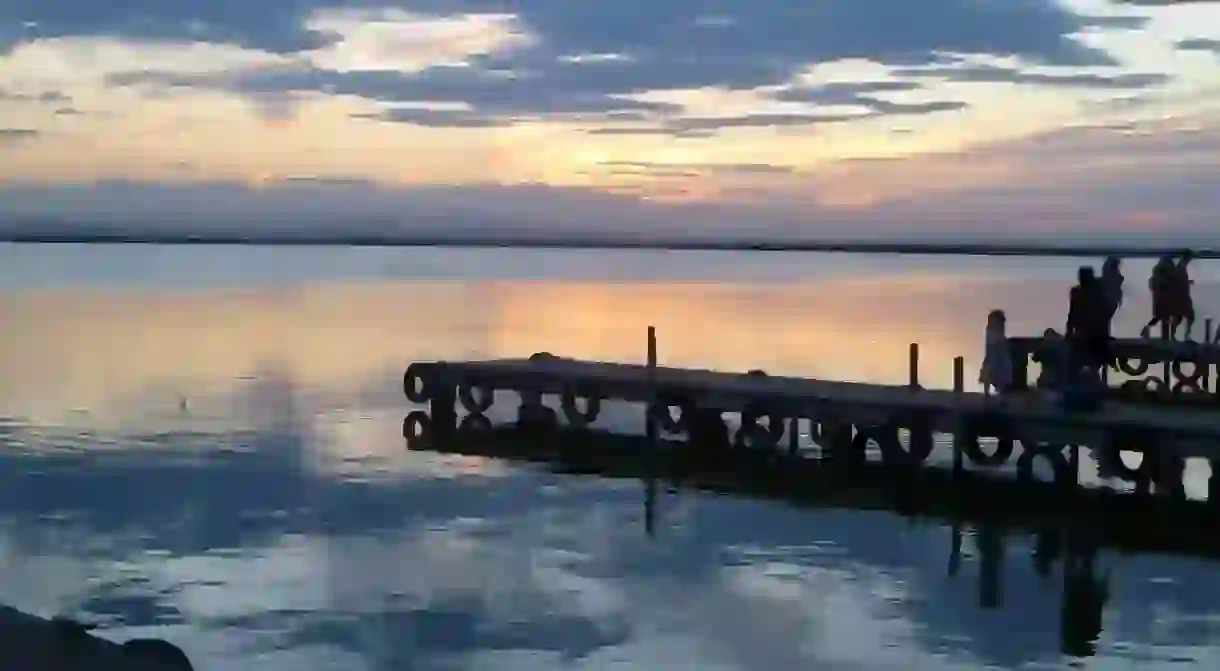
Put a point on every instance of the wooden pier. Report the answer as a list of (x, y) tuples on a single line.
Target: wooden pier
[(843, 418)]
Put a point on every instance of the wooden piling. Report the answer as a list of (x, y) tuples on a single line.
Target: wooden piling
[(959, 387), (794, 436), (652, 350), (913, 366), (650, 424)]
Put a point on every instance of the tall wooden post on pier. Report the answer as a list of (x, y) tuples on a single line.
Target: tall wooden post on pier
[(959, 387), (650, 429), (913, 366)]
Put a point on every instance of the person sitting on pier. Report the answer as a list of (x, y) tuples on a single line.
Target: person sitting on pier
[(996, 371), (1052, 357)]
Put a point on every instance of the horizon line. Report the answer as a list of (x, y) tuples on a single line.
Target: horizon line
[(603, 243)]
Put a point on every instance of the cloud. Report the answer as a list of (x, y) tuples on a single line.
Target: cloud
[(12, 136), (994, 74), (695, 169), (436, 118), (745, 35), (1164, 3), (704, 124), (842, 93), (553, 58), (650, 130), (66, 63), (1200, 44), (395, 40), (274, 26), (49, 97)]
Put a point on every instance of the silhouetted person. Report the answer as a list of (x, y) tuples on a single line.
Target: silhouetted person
[(1184, 304), (1088, 324), (1052, 359), (996, 371), (1112, 284), (1171, 300)]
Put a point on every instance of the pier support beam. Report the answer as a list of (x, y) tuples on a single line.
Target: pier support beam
[(1170, 473), (959, 424), (707, 429), (794, 437), (443, 409)]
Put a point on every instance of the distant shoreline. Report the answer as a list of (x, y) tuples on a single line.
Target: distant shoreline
[(522, 242)]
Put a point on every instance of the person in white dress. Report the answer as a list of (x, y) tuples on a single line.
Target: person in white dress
[(996, 372)]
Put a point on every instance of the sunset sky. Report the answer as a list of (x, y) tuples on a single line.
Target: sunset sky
[(772, 117)]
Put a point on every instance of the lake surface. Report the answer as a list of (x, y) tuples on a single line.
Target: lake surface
[(204, 444)]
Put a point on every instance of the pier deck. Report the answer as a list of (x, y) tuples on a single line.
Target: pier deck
[(1196, 429)]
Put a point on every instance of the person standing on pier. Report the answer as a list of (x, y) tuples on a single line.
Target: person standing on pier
[(1112, 284), (1184, 304), (1088, 324), (1171, 301), (996, 372)]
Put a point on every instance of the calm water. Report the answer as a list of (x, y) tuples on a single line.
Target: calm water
[(204, 444)]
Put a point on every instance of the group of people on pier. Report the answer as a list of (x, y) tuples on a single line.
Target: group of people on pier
[(1084, 349)]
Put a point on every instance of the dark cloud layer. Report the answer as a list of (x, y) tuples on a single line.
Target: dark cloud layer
[(994, 74), (679, 44), (756, 39), (1164, 3), (46, 97), (10, 136), (1200, 44)]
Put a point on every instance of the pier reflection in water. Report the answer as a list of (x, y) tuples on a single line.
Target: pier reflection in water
[(221, 464), (1068, 531)]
